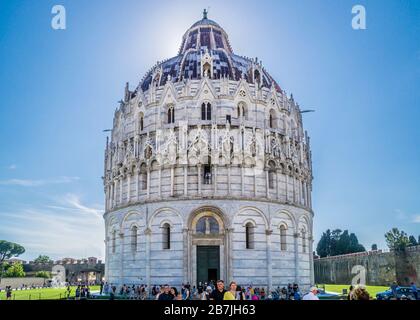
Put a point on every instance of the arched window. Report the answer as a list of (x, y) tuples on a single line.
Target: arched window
[(141, 122), (249, 235), (303, 241), (272, 119), (114, 239), (271, 174), (134, 239), (166, 236), (283, 245), (143, 177), (241, 111), (207, 172), (171, 114), (207, 225), (206, 111), (207, 70), (257, 77)]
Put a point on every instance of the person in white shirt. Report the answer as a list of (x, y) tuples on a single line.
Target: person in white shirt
[(311, 295)]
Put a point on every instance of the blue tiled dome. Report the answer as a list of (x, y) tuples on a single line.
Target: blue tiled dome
[(206, 36)]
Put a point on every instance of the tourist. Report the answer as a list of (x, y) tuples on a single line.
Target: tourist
[(68, 291), (262, 294), (205, 295), (231, 294), (350, 292), (101, 288), (283, 294), (185, 293), (174, 293), (194, 293), (414, 288), (296, 294), (166, 294), (9, 293), (240, 293), (77, 294), (311, 295), (219, 292), (359, 293), (112, 293), (394, 288)]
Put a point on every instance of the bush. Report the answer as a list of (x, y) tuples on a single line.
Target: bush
[(14, 270), (43, 274)]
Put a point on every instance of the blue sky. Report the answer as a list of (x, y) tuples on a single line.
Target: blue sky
[(59, 88)]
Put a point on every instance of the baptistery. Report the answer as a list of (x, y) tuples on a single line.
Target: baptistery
[(208, 173)]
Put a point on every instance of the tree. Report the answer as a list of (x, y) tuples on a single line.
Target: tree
[(323, 248), (374, 247), (355, 246), (15, 270), (338, 242), (396, 240), (412, 241), (335, 237), (43, 274), (42, 259), (343, 243), (9, 250)]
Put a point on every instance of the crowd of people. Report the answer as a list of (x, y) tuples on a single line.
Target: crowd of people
[(204, 291)]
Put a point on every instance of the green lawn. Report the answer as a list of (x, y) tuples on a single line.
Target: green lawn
[(42, 294), (373, 290)]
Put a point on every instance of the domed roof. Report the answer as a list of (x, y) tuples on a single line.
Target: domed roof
[(205, 21), (206, 36)]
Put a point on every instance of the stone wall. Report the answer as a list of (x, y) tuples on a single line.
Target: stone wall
[(74, 271), (18, 282), (382, 268)]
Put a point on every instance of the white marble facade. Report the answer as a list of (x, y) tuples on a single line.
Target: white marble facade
[(208, 150)]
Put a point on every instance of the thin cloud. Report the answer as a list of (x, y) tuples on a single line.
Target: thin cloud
[(12, 167), (38, 183), (416, 218), (66, 227)]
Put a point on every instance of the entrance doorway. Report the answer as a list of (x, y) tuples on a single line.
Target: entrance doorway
[(208, 264)]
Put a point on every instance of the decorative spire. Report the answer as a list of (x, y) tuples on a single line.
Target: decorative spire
[(205, 14)]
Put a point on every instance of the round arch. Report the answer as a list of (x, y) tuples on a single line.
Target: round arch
[(242, 209), (204, 211), (149, 222)]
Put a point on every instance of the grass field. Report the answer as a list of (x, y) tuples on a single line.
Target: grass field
[(373, 290), (43, 294)]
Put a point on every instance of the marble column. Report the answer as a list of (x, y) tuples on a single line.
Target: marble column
[(269, 260), (121, 190), (242, 181), (229, 190), (199, 179), (148, 234), (185, 254), (148, 183), (267, 184), (121, 234), (215, 179), (185, 180), (296, 238), (311, 261), (172, 181), (137, 185), (128, 188)]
